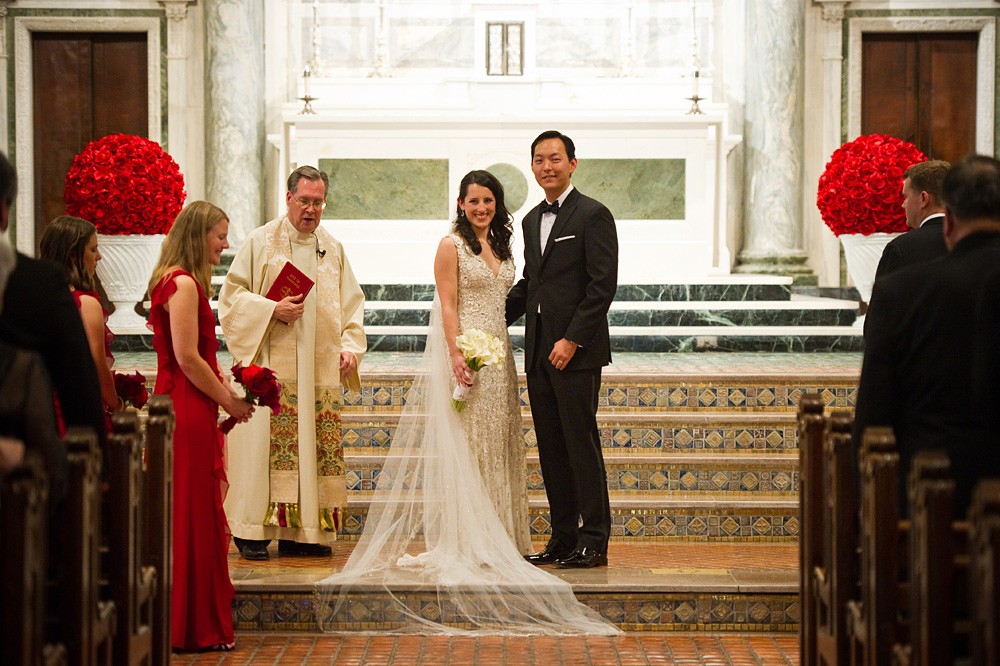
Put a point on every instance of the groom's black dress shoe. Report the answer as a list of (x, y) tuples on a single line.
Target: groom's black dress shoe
[(548, 555), (583, 558), (289, 547)]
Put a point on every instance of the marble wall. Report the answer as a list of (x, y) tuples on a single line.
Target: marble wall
[(386, 189)]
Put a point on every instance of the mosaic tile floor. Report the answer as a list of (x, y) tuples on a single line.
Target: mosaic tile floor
[(631, 649)]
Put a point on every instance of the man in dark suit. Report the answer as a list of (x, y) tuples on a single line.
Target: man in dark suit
[(924, 215), (39, 314), (570, 278), (918, 371)]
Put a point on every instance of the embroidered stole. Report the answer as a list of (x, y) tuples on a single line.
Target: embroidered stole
[(284, 506)]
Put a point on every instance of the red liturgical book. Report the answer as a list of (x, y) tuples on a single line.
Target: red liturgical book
[(290, 282)]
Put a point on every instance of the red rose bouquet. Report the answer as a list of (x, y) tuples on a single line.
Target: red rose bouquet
[(125, 185), (861, 190), (131, 389), (261, 387)]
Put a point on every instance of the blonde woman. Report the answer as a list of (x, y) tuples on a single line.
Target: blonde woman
[(187, 370)]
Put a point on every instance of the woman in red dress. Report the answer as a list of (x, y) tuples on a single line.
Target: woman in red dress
[(72, 242), (187, 370)]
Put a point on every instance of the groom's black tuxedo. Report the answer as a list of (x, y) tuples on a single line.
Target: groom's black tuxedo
[(565, 292)]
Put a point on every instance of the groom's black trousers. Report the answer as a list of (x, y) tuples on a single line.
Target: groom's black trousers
[(564, 411)]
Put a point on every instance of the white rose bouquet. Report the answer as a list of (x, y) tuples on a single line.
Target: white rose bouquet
[(480, 350)]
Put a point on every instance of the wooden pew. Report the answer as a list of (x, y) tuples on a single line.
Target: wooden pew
[(89, 622), (835, 579), (811, 428), (984, 572), (159, 517), (23, 567), (132, 585), (872, 622), (938, 567)]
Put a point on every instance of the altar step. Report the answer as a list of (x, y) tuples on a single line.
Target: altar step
[(694, 451), (685, 587), (733, 313), (755, 313)]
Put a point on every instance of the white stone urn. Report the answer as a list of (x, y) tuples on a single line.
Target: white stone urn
[(125, 267), (862, 254)]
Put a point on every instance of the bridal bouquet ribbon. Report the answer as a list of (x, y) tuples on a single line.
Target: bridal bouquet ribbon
[(261, 387), (131, 389), (480, 350)]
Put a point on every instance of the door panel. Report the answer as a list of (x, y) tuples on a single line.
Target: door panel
[(84, 86), (921, 87)]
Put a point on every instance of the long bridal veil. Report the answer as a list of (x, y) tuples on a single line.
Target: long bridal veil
[(434, 557)]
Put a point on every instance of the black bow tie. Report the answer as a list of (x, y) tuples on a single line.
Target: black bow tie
[(547, 207)]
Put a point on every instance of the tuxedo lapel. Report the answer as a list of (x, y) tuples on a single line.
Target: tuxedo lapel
[(562, 219), (532, 237)]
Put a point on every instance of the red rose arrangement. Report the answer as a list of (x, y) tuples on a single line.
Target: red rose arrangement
[(261, 387), (131, 389), (125, 185), (861, 190)]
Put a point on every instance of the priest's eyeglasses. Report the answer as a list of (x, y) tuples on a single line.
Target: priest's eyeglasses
[(318, 204)]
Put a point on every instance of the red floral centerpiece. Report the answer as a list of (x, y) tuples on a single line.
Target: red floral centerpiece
[(861, 190), (132, 191), (125, 185), (860, 198)]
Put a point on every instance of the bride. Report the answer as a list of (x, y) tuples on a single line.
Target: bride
[(443, 544)]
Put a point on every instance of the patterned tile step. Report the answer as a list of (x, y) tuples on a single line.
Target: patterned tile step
[(716, 475), (723, 288), (669, 339), (756, 366), (630, 432), (686, 611), (680, 517), (800, 311), (648, 587), (643, 393)]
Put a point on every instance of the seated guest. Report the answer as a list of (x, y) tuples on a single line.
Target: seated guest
[(187, 370), (39, 315), (924, 215), (72, 242), (918, 366)]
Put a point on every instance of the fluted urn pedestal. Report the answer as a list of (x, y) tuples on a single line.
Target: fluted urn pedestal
[(862, 254), (125, 268)]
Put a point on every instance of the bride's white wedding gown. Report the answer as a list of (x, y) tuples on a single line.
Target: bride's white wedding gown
[(436, 554)]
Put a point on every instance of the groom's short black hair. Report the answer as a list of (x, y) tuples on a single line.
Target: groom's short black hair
[(555, 134)]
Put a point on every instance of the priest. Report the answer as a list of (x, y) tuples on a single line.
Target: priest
[(286, 470)]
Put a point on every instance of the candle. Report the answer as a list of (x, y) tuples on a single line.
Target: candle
[(697, 75), (306, 75)]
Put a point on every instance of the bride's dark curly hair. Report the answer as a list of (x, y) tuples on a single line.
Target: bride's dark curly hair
[(500, 231)]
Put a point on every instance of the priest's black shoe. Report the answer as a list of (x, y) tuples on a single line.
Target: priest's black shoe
[(583, 558), (548, 555), (254, 551), (288, 547)]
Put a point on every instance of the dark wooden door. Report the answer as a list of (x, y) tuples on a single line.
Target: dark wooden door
[(85, 86), (921, 87)]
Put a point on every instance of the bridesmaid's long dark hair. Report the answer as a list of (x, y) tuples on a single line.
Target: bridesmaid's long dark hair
[(500, 231)]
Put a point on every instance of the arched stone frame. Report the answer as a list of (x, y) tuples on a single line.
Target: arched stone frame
[(985, 65), (23, 99)]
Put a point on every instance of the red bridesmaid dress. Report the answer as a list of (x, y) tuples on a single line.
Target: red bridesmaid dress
[(201, 606)]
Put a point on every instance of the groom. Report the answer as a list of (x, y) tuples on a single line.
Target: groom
[(570, 278)]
